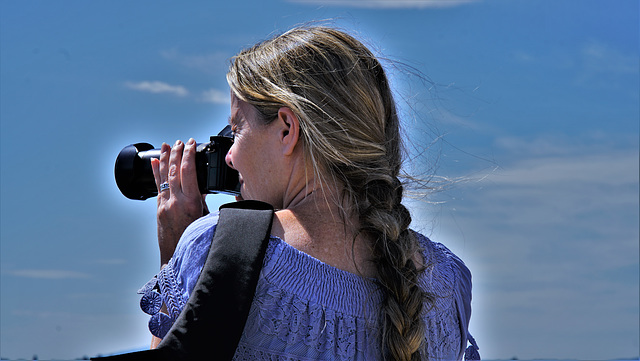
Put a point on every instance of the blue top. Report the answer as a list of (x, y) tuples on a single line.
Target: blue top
[(304, 309)]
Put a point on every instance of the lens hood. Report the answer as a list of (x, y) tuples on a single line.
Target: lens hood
[(134, 175)]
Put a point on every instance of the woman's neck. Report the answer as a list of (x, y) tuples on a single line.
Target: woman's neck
[(321, 225)]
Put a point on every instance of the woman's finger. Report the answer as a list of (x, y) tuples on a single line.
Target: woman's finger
[(160, 174), (188, 170), (155, 167), (173, 174)]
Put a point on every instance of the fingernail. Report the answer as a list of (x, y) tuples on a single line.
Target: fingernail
[(178, 142), (191, 141)]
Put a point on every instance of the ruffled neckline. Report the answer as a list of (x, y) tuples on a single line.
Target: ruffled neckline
[(314, 280), (311, 279)]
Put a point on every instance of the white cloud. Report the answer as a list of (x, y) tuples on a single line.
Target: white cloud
[(215, 96), (387, 4), (157, 87), (598, 169), (540, 146), (48, 274), (562, 197)]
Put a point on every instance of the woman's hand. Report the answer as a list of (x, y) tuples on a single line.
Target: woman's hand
[(181, 203)]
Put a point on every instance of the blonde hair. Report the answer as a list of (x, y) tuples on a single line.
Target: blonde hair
[(350, 132)]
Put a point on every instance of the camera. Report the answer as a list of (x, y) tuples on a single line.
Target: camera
[(134, 175)]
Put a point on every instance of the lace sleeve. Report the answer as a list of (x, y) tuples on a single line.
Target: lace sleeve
[(174, 283)]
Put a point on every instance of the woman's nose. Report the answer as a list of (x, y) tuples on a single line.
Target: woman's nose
[(227, 159)]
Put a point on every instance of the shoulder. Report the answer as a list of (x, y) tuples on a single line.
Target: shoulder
[(201, 226), (446, 274), (196, 239), (440, 259)]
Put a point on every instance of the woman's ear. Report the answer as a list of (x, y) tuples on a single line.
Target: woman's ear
[(289, 131)]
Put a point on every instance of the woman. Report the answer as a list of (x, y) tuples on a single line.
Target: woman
[(317, 136)]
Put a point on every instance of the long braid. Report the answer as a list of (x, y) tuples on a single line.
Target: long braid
[(387, 220)]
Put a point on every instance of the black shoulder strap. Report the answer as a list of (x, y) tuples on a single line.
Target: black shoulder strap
[(212, 321)]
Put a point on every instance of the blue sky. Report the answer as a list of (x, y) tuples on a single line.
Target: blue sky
[(532, 111)]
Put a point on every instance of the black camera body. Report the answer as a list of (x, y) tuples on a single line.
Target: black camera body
[(134, 175)]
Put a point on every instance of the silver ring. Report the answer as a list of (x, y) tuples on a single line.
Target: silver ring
[(164, 186)]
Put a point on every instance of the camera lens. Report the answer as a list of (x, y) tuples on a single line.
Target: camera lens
[(133, 172)]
